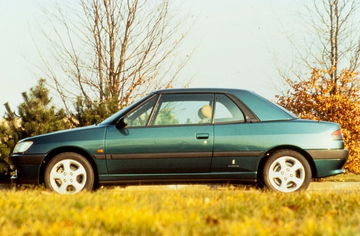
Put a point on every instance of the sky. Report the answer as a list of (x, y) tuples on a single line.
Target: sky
[(235, 43)]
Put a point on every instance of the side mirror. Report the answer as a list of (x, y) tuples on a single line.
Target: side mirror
[(122, 123)]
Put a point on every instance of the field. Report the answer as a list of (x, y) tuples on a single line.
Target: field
[(343, 178), (190, 210)]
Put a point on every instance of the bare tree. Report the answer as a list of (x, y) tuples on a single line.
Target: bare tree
[(113, 51), (333, 42), (336, 34), (331, 92)]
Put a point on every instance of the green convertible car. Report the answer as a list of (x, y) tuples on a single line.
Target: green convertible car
[(186, 136)]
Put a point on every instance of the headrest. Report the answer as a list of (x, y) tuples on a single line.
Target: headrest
[(205, 112)]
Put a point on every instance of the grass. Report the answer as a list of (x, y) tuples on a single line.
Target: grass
[(348, 177), (193, 210)]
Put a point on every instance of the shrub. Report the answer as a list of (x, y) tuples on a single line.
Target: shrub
[(321, 98), (35, 116)]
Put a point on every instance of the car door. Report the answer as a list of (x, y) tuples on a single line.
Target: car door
[(234, 146), (169, 133)]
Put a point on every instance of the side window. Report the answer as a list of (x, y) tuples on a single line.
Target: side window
[(226, 110), (183, 109), (140, 115)]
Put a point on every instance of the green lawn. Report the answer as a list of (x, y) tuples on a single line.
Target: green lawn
[(192, 210)]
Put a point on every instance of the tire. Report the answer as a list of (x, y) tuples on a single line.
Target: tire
[(286, 171), (69, 173)]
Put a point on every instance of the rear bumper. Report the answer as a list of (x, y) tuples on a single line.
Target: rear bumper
[(27, 168), (329, 154), (329, 162)]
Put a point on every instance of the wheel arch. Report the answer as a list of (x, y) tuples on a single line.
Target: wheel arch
[(59, 150), (268, 153)]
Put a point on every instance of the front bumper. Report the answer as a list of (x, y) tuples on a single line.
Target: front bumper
[(329, 162), (27, 168)]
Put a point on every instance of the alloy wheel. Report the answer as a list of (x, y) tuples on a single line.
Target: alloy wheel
[(68, 176), (286, 174)]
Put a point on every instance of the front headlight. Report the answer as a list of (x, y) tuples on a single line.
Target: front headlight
[(22, 147)]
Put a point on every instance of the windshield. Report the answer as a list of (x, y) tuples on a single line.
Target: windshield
[(118, 114)]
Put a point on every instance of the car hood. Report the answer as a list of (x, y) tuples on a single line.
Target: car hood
[(66, 132)]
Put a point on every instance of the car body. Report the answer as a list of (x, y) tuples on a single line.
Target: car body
[(186, 136)]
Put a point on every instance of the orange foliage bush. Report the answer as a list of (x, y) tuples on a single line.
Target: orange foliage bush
[(321, 98)]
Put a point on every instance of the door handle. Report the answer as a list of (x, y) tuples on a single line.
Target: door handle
[(202, 135)]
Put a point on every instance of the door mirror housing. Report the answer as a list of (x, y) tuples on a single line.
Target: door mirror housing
[(122, 123)]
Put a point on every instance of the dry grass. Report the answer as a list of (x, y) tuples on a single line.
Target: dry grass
[(348, 177), (192, 210)]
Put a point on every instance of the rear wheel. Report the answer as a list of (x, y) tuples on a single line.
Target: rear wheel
[(69, 173), (287, 171)]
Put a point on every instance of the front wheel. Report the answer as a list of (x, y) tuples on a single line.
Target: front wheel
[(69, 173), (287, 171)]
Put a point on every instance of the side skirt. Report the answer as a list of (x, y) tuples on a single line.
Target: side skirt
[(211, 177)]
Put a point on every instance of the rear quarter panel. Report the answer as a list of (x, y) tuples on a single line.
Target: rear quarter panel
[(252, 140), (261, 136)]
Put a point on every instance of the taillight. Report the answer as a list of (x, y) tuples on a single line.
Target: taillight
[(337, 134)]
